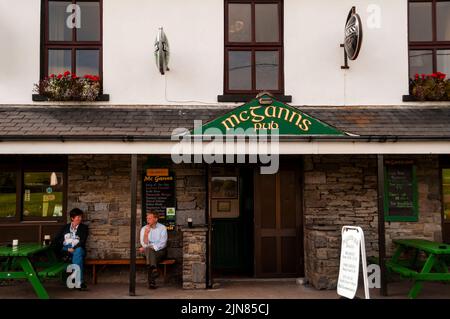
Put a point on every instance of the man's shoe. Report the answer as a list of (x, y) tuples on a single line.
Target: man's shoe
[(83, 287)]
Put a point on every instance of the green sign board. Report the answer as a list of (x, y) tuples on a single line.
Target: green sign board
[(256, 117), (400, 191)]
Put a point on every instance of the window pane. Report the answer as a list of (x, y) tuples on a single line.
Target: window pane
[(59, 61), (443, 62), (267, 63), (43, 194), (239, 22), (239, 70), (443, 21), (87, 62), (57, 26), (446, 193), (420, 62), (90, 21), (420, 28), (7, 194), (266, 23)]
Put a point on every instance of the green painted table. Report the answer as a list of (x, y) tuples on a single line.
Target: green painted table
[(18, 265), (434, 268)]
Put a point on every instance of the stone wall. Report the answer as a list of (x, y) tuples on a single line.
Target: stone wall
[(100, 186), (342, 190), (194, 258)]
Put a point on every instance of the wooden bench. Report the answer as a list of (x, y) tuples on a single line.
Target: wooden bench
[(139, 261)]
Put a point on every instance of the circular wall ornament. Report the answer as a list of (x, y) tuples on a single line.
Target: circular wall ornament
[(353, 34)]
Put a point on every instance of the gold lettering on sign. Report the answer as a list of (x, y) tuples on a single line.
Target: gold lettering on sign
[(280, 113), (230, 121), (242, 118), (268, 109), (305, 125), (269, 112), (256, 117)]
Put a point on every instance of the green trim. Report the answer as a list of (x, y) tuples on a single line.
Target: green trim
[(392, 218)]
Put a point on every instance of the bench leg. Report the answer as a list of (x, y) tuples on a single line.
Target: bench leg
[(94, 274), (33, 278), (417, 287)]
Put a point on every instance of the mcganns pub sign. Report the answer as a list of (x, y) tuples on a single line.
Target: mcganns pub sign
[(267, 115)]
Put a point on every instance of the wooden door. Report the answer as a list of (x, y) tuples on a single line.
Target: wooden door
[(278, 223)]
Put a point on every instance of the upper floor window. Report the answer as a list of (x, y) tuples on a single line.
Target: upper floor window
[(429, 37), (72, 37), (253, 46)]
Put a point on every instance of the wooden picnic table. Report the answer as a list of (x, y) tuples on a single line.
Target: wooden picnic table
[(18, 264), (434, 268)]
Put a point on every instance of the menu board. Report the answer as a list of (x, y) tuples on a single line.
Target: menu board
[(159, 196), (400, 191)]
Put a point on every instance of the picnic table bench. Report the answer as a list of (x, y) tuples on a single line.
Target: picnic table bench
[(139, 261), (18, 264), (434, 268)]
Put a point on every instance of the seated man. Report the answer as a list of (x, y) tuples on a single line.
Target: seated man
[(71, 240), (153, 241)]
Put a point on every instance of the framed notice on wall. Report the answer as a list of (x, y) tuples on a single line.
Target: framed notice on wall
[(400, 191)]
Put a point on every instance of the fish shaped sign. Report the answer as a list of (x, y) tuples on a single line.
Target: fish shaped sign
[(162, 52)]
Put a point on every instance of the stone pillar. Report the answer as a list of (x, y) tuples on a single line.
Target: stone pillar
[(194, 258)]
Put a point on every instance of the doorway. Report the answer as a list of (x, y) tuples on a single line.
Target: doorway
[(278, 222), (445, 178), (257, 221)]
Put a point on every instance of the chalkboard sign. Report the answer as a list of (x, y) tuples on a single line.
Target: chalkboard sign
[(400, 191), (159, 196)]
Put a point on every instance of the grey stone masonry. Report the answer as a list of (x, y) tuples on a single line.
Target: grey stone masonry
[(194, 258), (100, 186), (342, 190)]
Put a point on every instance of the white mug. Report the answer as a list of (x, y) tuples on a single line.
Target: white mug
[(15, 243)]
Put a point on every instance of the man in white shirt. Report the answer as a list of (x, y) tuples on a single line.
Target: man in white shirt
[(153, 241)]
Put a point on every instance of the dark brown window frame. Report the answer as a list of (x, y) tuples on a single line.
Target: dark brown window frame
[(253, 46), (433, 45), (20, 165), (73, 45)]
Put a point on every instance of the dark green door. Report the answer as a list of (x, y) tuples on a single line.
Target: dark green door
[(232, 238)]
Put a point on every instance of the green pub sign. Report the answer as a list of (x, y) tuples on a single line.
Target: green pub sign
[(268, 115)]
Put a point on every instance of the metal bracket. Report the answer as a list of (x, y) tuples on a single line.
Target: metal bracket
[(345, 66)]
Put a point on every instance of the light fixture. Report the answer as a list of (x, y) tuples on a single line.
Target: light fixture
[(162, 52), (53, 179)]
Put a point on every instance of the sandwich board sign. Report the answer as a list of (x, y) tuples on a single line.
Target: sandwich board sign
[(353, 246)]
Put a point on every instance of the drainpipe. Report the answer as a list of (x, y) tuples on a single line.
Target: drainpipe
[(381, 230)]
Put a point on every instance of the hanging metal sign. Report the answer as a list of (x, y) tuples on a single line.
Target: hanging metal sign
[(353, 36), (162, 53)]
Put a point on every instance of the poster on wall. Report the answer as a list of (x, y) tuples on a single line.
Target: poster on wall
[(159, 196)]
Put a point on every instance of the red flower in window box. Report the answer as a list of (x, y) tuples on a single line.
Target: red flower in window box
[(431, 87), (67, 87)]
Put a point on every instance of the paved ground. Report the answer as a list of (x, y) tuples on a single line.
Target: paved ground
[(287, 289)]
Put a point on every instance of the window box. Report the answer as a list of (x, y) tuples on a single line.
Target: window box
[(69, 87), (432, 87), (42, 98)]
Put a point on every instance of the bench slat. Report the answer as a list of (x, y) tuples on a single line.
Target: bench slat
[(405, 272), (53, 270)]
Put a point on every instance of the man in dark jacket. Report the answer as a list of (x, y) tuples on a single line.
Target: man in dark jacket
[(71, 240)]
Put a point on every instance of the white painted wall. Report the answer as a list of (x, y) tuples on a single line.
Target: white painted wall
[(313, 32)]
